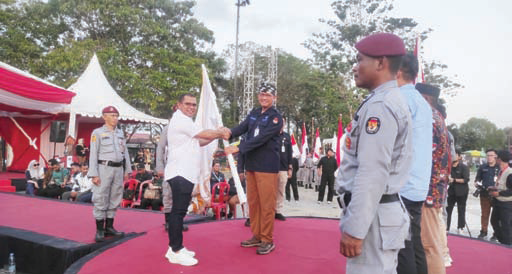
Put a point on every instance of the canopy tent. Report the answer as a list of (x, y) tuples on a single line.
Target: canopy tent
[(23, 94), (25, 99), (93, 93)]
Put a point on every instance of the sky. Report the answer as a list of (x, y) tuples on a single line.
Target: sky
[(471, 37)]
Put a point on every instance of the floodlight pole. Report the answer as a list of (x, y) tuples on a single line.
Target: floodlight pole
[(236, 60)]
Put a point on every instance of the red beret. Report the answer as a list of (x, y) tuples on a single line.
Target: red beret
[(110, 109), (381, 44)]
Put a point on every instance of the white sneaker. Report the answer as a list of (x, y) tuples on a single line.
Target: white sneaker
[(460, 231), (180, 257), (318, 202), (447, 261), (296, 201), (328, 202), (188, 252)]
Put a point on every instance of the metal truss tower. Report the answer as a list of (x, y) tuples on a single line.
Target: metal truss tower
[(248, 98), (272, 68)]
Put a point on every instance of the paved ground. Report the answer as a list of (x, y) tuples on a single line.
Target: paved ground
[(307, 206)]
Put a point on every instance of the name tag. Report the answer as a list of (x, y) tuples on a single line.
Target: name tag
[(257, 131), (282, 148)]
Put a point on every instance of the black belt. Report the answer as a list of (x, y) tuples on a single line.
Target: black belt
[(386, 198), (111, 163), (389, 198)]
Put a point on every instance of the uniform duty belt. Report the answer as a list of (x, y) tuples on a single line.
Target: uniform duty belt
[(386, 198), (110, 163)]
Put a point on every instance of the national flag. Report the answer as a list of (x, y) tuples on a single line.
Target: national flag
[(304, 145), (317, 145), (420, 78), (338, 144), (208, 117), (295, 147)]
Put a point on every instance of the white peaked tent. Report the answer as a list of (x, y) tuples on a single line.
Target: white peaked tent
[(93, 93)]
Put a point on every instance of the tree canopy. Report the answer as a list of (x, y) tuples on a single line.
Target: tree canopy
[(150, 50)]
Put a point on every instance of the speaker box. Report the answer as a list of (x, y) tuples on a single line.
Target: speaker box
[(58, 131)]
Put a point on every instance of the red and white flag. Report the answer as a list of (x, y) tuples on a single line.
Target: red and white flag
[(304, 145), (295, 147), (338, 144), (317, 145), (421, 76)]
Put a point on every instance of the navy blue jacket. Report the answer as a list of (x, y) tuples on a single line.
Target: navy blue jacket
[(262, 143), (285, 152)]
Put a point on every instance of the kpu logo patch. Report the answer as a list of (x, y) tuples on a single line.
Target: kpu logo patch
[(372, 125)]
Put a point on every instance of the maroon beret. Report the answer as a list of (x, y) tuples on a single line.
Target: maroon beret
[(381, 44), (110, 109)]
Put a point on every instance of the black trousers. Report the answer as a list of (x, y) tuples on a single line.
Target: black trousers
[(411, 258), (293, 183), (155, 204), (461, 210), (501, 221), (327, 180), (51, 191), (181, 195)]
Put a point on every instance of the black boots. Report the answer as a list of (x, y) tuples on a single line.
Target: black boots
[(100, 231), (109, 229)]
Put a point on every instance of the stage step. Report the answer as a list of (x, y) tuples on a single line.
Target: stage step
[(7, 188), (5, 182)]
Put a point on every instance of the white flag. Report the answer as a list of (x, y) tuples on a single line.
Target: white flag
[(208, 117)]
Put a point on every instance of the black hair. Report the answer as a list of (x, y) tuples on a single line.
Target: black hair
[(504, 155), (409, 67), (182, 97), (330, 149), (493, 150), (75, 164), (441, 108), (457, 151), (394, 63)]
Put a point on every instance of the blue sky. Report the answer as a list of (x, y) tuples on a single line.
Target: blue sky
[(471, 37)]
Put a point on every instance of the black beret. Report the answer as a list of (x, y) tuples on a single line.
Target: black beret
[(504, 155), (428, 89), (381, 44)]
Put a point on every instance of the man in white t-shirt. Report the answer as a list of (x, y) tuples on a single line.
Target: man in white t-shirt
[(181, 172)]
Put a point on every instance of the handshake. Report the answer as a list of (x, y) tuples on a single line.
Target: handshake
[(226, 134)]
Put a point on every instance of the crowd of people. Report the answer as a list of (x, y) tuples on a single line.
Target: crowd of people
[(398, 181)]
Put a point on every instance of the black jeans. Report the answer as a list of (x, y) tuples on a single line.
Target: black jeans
[(411, 258), (461, 210), (181, 195), (327, 180), (501, 221), (155, 204), (293, 183)]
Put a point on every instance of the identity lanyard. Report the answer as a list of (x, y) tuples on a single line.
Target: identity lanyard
[(499, 176), (216, 177)]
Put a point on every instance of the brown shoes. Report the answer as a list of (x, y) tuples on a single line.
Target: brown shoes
[(252, 242), (265, 248)]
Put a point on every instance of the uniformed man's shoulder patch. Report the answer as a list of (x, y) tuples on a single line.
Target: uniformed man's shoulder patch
[(276, 120), (93, 138), (372, 125)]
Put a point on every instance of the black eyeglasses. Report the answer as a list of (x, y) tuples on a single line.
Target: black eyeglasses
[(36, 164)]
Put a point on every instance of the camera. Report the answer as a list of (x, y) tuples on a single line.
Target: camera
[(477, 191)]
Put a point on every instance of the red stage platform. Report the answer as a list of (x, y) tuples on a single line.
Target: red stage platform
[(11, 175), (303, 245)]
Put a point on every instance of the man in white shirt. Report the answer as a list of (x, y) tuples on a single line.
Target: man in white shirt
[(81, 190), (181, 172)]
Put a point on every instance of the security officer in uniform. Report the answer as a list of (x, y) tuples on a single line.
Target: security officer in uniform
[(109, 161), (375, 165), (261, 151)]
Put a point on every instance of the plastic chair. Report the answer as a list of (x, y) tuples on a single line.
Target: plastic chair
[(221, 205), (138, 199), (129, 185)]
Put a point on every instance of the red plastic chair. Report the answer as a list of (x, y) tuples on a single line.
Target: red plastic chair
[(138, 199), (131, 185), (221, 205)]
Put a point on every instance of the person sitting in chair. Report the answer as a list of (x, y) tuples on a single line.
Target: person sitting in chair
[(34, 175), (152, 194)]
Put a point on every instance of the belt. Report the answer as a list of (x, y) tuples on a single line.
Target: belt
[(111, 163), (384, 199), (389, 198)]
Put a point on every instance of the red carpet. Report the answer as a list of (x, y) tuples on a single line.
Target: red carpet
[(303, 245)]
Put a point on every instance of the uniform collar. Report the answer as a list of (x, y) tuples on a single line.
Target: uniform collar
[(107, 129), (385, 86)]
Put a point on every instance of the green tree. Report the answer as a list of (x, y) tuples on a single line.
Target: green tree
[(151, 50), (334, 50), (479, 133)]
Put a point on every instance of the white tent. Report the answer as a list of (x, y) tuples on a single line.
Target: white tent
[(93, 93)]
